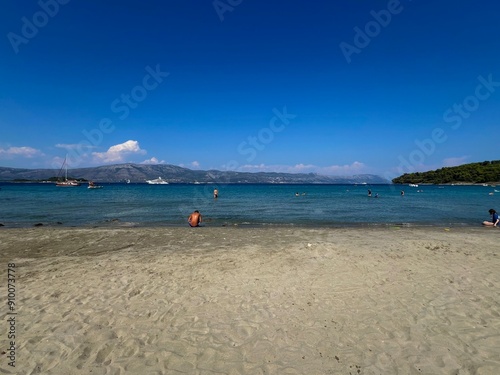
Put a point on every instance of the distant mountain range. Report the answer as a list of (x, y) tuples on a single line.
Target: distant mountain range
[(139, 173)]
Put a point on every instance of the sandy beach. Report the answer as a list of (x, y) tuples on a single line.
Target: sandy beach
[(251, 301)]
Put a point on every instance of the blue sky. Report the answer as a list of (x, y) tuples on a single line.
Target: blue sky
[(332, 87)]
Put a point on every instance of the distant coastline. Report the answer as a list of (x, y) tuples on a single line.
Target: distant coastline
[(138, 173)]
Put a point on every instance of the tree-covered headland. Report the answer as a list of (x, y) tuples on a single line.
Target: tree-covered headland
[(473, 173)]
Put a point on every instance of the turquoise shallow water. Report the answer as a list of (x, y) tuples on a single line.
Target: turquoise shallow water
[(23, 205)]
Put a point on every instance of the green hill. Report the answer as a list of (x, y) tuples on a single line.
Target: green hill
[(473, 173)]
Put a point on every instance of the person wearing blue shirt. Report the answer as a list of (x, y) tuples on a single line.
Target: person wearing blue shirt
[(494, 219)]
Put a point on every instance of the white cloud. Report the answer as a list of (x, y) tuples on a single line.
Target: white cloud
[(24, 152), (75, 146), (453, 162), (347, 169), (192, 165), (344, 170), (153, 160), (118, 153)]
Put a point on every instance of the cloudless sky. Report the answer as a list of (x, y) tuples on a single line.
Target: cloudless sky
[(332, 87)]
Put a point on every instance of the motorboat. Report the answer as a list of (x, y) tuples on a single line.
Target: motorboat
[(157, 181), (92, 185)]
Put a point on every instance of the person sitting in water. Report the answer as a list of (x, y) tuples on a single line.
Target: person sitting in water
[(494, 219), (194, 219)]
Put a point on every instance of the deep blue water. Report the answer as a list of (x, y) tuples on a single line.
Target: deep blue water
[(23, 205)]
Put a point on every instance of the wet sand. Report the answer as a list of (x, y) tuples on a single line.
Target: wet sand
[(253, 301)]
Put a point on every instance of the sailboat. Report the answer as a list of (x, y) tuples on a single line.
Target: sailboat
[(66, 182)]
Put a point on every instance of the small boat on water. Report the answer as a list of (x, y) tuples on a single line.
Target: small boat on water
[(157, 181), (92, 185), (413, 185), (66, 182)]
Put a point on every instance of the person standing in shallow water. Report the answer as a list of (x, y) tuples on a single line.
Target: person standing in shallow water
[(494, 219), (216, 193), (194, 219)]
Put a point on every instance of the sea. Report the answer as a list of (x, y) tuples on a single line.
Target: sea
[(250, 205)]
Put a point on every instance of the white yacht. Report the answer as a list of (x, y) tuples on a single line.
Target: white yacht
[(157, 181)]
